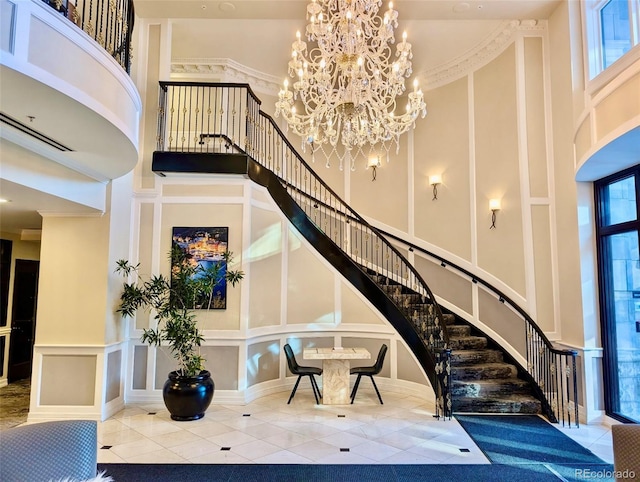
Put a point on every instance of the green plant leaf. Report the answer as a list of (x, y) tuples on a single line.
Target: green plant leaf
[(173, 302)]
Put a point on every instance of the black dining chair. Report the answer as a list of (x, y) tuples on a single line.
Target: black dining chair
[(302, 372), (369, 372)]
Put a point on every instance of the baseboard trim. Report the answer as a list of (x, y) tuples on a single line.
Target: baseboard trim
[(45, 414)]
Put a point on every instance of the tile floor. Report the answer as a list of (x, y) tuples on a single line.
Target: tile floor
[(402, 431)]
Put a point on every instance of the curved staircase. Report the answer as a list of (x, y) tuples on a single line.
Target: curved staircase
[(467, 371)]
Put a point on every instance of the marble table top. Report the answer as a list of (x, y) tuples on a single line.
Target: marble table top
[(336, 354)]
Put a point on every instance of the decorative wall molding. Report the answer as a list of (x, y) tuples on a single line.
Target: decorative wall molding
[(227, 70), (99, 410), (483, 53)]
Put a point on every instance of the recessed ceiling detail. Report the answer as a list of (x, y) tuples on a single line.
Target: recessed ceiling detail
[(5, 119)]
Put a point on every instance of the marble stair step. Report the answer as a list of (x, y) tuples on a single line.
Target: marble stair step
[(467, 342), (482, 382), (413, 310), (490, 388), (471, 357), (394, 288), (483, 371), (405, 299), (457, 330), (507, 404)]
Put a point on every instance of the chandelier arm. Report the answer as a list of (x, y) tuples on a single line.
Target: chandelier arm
[(347, 80)]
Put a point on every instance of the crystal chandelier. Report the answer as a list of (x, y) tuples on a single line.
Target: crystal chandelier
[(347, 81)]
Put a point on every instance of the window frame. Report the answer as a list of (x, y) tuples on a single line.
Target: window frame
[(595, 74), (605, 285)]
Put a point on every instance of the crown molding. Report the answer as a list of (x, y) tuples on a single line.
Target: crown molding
[(482, 54), (228, 70), (67, 214), (30, 234)]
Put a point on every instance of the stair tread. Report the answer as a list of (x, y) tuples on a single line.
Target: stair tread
[(495, 394), (499, 398), (489, 381), (484, 371), (474, 350), (498, 405), (486, 365), (470, 357)]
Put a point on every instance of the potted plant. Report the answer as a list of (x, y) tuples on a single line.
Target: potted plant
[(174, 301)]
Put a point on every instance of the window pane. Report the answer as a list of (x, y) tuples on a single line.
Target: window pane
[(616, 31), (625, 270), (620, 205)]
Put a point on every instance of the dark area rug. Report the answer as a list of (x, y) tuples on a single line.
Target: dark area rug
[(528, 439), (326, 473), (522, 439)]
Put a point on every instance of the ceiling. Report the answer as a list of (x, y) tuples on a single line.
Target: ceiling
[(454, 28), (21, 213)]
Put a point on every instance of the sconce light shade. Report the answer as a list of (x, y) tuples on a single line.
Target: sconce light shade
[(373, 163), (434, 180), (494, 205)]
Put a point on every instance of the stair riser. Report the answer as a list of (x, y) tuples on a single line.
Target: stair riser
[(468, 353), (421, 310), (405, 299), (488, 390), (483, 373), (399, 290), (471, 357), (410, 308), (458, 330), (491, 406), (467, 343), (450, 319)]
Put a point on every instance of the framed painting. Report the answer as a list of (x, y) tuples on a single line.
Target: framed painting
[(204, 248)]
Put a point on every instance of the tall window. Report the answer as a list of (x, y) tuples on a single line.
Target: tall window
[(612, 29), (618, 231), (616, 30)]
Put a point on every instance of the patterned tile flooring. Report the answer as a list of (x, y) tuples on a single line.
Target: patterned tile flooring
[(267, 430)]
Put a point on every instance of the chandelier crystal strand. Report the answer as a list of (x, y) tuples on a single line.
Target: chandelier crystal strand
[(347, 81)]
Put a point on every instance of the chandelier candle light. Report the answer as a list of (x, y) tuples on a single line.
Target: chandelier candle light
[(347, 82)]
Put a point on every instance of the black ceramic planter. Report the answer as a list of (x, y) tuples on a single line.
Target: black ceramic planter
[(187, 398)]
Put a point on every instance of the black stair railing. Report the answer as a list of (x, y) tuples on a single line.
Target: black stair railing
[(552, 369), (215, 118), (223, 118), (108, 22)]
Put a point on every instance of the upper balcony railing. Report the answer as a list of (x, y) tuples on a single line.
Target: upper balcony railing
[(108, 22)]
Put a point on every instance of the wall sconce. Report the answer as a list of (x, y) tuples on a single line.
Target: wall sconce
[(374, 162), (434, 181), (494, 205)]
